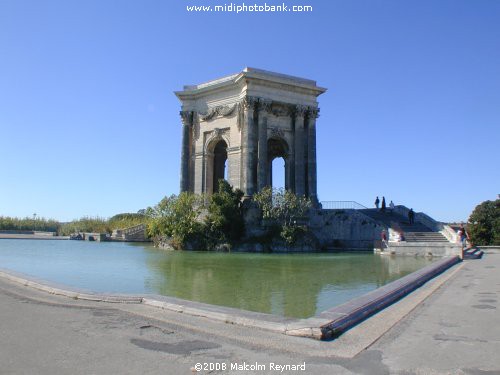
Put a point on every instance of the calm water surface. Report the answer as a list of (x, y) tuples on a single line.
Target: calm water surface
[(295, 285)]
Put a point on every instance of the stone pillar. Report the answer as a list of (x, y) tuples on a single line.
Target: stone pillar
[(287, 173), (195, 129), (233, 167), (311, 156), (187, 122), (209, 173), (199, 173), (300, 183), (262, 159), (270, 173), (248, 147), (291, 152)]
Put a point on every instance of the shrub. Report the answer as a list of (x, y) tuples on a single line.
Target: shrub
[(198, 221), (176, 217), (85, 224), (224, 220), (127, 220), (285, 209)]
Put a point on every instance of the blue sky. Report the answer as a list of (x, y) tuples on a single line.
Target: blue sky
[(89, 123)]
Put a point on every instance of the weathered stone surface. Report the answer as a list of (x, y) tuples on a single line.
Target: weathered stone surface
[(344, 229), (164, 243)]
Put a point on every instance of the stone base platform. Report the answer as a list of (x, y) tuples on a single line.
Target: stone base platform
[(430, 249)]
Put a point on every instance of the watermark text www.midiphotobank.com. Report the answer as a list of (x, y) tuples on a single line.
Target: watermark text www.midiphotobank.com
[(249, 8)]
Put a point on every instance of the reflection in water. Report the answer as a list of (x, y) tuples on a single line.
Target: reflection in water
[(287, 285), (299, 285)]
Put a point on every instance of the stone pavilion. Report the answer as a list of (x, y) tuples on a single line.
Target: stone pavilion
[(235, 126)]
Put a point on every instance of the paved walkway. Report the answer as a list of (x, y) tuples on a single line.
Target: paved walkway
[(456, 330)]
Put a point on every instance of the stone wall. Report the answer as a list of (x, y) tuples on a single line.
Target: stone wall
[(347, 229)]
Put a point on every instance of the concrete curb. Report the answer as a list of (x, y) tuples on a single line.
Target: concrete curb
[(347, 315), (490, 249), (228, 315), (71, 293), (327, 324)]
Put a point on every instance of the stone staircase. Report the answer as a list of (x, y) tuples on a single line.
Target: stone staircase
[(416, 232), (418, 238), (425, 237)]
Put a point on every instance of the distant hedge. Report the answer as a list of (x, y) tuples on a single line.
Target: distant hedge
[(29, 224), (84, 224)]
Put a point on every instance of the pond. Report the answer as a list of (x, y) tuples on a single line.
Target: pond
[(290, 285)]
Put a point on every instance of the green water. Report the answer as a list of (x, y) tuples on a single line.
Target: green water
[(289, 285)]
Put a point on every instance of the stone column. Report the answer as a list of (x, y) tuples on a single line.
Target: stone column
[(270, 173), (210, 183), (311, 156), (198, 173), (248, 146), (262, 159), (287, 173), (233, 167), (291, 153), (187, 122), (300, 186)]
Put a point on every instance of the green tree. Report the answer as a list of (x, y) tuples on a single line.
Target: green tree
[(285, 209), (282, 205), (224, 221), (176, 217), (484, 223)]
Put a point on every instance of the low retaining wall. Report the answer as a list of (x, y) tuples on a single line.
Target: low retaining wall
[(99, 237), (348, 229), (422, 249), (74, 293), (9, 236)]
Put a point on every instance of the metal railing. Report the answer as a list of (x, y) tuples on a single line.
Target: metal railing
[(342, 205)]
